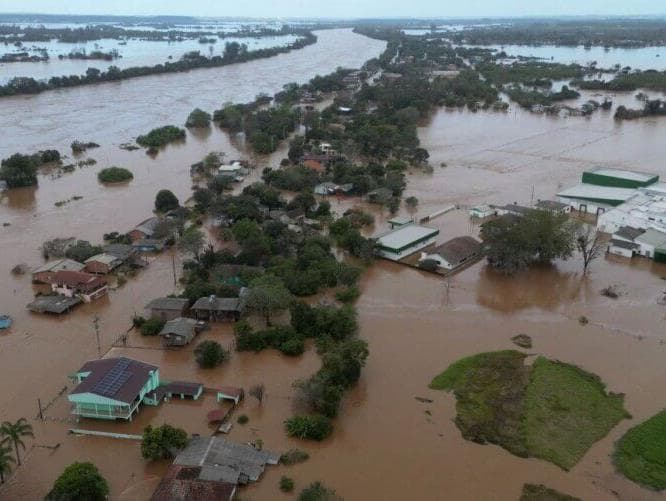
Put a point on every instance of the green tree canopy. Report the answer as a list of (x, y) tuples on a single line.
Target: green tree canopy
[(165, 201), (79, 481), (210, 354), (19, 170), (267, 295), (162, 442)]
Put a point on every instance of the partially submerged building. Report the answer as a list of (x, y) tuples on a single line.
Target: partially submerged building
[(455, 253), (102, 264), (113, 388), (217, 309), (44, 273), (645, 209), (145, 229), (404, 241), (650, 242), (179, 331), (618, 178), (167, 308), (54, 304), (85, 286)]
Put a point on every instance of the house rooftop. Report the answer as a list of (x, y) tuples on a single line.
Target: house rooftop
[(652, 237), (457, 249), (629, 175), (118, 379), (623, 244), (179, 327), (148, 226), (550, 205), (400, 221), (223, 460), (104, 258), (594, 192), (167, 303), (59, 265), (405, 236), (53, 304), (182, 483), (628, 232), (77, 279), (213, 303)]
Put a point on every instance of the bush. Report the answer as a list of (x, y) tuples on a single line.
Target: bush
[(309, 427), (348, 295), (79, 481), (161, 442), (294, 456), (286, 484), (198, 118), (293, 347), (210, 354), (161, 136), (242, 419), (165, 201), (152, 327), (317, 491), (138, 321), (114, 175), (19, 170)]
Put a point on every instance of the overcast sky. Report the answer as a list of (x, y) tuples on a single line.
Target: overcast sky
[(340, 8)]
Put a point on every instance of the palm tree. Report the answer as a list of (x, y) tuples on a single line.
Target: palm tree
[(14, 432), (6, 461)]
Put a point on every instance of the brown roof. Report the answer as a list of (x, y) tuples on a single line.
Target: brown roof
[(115, 378), (182, 483), (77, 279), (458, 249), (314, 165)]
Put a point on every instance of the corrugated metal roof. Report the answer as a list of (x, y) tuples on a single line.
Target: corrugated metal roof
[(59, 265), (592, 191), (405, 235), (652, 237), (167, 303), (623, 174)]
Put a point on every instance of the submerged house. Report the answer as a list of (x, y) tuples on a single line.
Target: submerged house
[(179, 331), (144, 230), (167, 308), (102, 264), (78, 284), (44, 273), (455, 253), (113, 388), (217, 309)]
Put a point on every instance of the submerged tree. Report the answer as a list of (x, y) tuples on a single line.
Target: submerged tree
[(266, 296), (590, 245), (162, 442), (6, 461)]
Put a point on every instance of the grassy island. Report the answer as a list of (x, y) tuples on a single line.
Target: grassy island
[(640, 454), (161, 136), (548, 410)]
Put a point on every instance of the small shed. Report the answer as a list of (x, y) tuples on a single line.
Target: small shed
[(397, 222), (553, 206), (622, 248), (179, 331), (167, 308), (217, 309)]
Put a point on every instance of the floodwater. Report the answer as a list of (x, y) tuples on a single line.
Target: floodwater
[(385, 446), (133, 53), (642, 58)]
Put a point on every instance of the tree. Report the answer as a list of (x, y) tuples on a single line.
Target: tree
[(412, 202), (165, 201), (257, 391), (79, 481), (309, 427), (317, 491), (198, 118), (19, 170), (590, 245), (162, 442), (210, 354), (192, 242), (6, 461), (14, 432), (515, 243), (267, 295)]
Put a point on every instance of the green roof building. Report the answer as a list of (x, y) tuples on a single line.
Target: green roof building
[(618, 178)]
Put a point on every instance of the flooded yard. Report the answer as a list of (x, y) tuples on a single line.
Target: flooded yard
[(385, 446)]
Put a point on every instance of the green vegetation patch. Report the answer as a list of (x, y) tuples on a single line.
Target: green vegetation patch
[(161, 136), (640, 454), (534, 492), (114, 175), (550, 410), (567, 410)]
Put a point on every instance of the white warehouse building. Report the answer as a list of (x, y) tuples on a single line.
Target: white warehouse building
[(404, 241), (643, 211)]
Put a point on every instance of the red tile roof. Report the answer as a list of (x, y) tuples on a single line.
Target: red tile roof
[(181, 483), (77, 279)]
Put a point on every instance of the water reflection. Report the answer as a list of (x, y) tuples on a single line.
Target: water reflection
[(22, 199)]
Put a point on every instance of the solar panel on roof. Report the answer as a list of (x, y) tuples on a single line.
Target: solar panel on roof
[(109, 385)]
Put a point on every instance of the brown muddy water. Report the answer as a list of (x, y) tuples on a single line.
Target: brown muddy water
[(385, 446)]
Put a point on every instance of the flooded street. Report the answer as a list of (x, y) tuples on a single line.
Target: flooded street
[(384, 446)]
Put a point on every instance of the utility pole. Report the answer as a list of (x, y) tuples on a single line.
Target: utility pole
[(173, 268), (96, 326), (41, 414)]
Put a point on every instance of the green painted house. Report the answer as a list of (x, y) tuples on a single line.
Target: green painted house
[(113, 388)]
